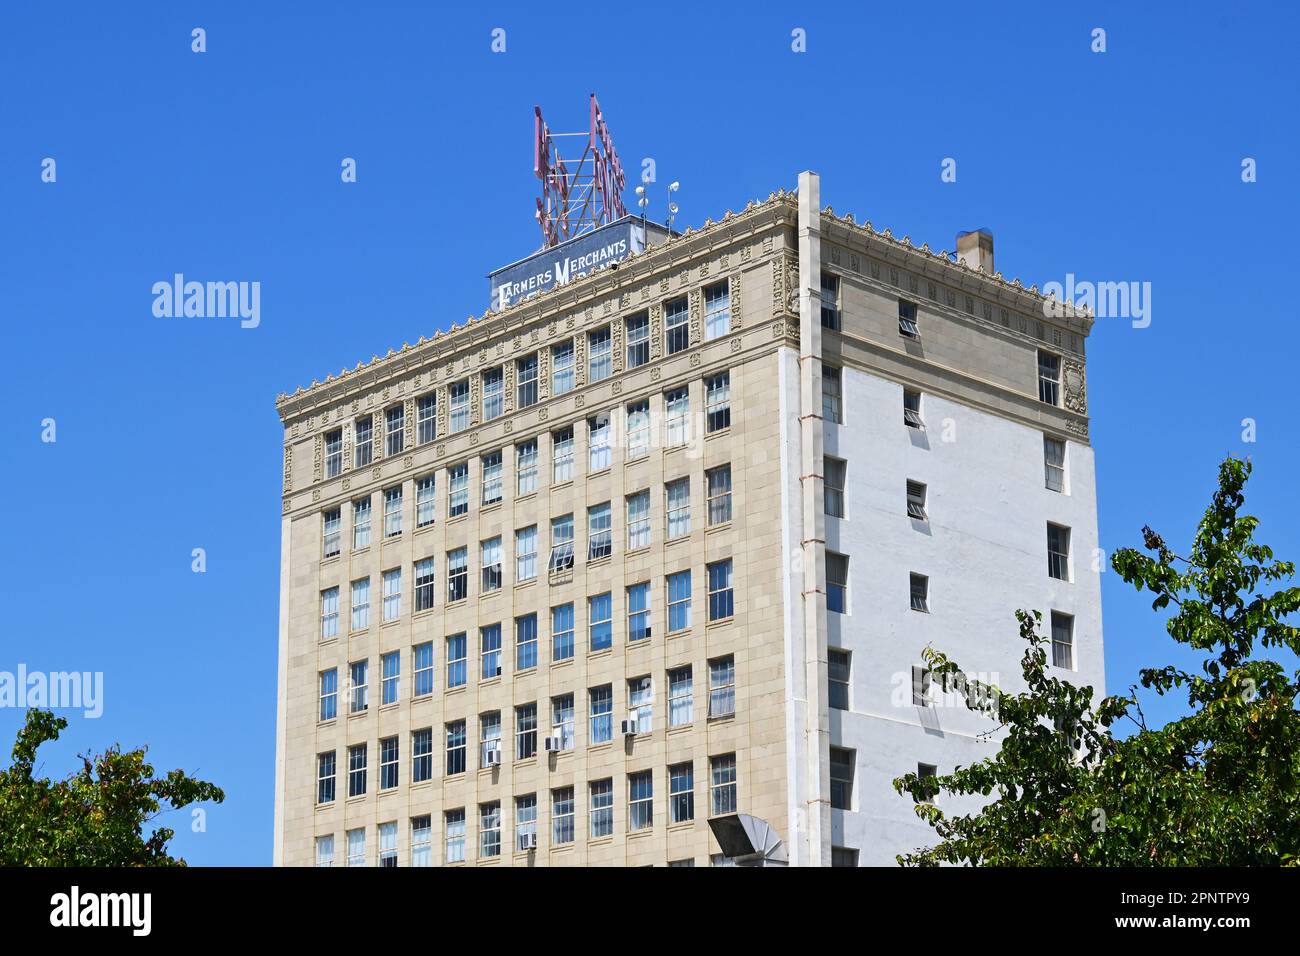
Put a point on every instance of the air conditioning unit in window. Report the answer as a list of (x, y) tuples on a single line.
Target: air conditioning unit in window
[(553, 745), (493, 757), (528, 841), (629, 727)]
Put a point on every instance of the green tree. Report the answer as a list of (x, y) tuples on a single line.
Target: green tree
[(1219, 786), (95, 817)]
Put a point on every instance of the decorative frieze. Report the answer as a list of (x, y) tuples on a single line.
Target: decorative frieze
[(696, 311), (656, 327), (1076, 390)]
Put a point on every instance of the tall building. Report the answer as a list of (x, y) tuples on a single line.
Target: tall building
[(602, 575)]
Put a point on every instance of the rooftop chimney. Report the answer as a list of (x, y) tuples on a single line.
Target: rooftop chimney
[(975, 249)]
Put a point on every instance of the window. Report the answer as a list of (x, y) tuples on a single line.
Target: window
[(526, 553), (562, 368), (561, 632), (677, 329), (457, 652), (329, 693), (602, 807), (678, 494), (907, 320), (525, 642), (392, 594), (922, 685), (640, 800), (1054, 463), (600, 523), (526, 371), (598, 443), (562, 816), (458, 490), (494, 395), (334, 453), (526, 468), (426, 419), (364, 435), (718, 483), (717, 402), (834, 474), (490, 651), (832, 395), (602, 713), (838, 666), (562, 720), (360, 604), (924, 771), (329, 614), (357, 847), (600, 356), (359, 675), (394, 430), (454, 835), (325, 850), (686, 863), (489, 737), (681, 793), (492, 484), (841, 779), (912, 409), (525, 822), (424, 584), (392, 512), (638, 520), (638, 340), (638, 612), (490, 550), (722, 784), (455, 747), (916, 501), (638, 430), (721, 604), (489, 829), (425, 500), (423, 658), (562, 456), (640, 703), (458, 400), (422, 755), (357, 770), (1062, 640), (325, 777), (388, 758), (677, 417), (679, 601), (457, 575), (681, 697), (525, 731), (843, 856), (1049, 378), (837, 582), (920, 591), (361, 524), (561, 544), (390, 669), (1058, 551), (717, 311), (422, 841), (600, 621), (722, 686), (332, 521), (830, 301)]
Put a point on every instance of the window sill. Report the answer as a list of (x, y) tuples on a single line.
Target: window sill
[(456, 519), (365, 549), (488, 506), (720, 526), (425, 527), (717, 433), (422, 613), (680, 729), (329, 559), (561, 485), (720, 718), (643, 549), (720, 622), (327, 722), (352, 715), (600, 652), (681, 825), (563, 662), (526, 583)]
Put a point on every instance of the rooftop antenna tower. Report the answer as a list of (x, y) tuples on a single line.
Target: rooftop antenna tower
[(582, 189)]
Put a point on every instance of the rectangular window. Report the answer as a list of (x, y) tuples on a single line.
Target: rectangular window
[(526, 468), (357, 847), (562, 456), (526, 823), (489, 738), (494, 395), (1054, 463), (562, 368), (458, 402), (718, 484), (678, 502), (722, 686), (638, 612), (681, 793), (526, 372), (830, 301), (924, 771), (490, 550), (916, 501), (922, 684), (721, 601), (525, 731), (454, 836), (561, 544), (638, 340), (681, 697), (717, 402), (600, 620), (457, 654), (422, 841), (677, 417), (832, 395), (602, 713), (458, 490), (717, 311), (1049, 378), (359, 675), (424, 581), (329, 693), (390, 669), (526, 554), (425, 500), (363, 432), (841, 779), (598, 443), (1058, 551), (837, 582), (640, 800), (490, 651), (388, 760), (455, 747), (423, 667), (907, 320), (1062, 640), (526, 642), (394, 430), (325, 777), (843, 856), (561, 633), (602, 807), (562, 720), (838, 672), (334, 453), (392, 594), (677, 327), (361, 524), (457, 575), (331, 523), (722, 784), (920, 590), (489, 829), (834, 475), (638, 520), (638, 430), (640, 703), (562, 816), (600, 357), (600, 533), (325, 850), (360, 604), (357, 770), (422, 755), (493, 488), (912, 409), (392, 512), (679, 602), (329, 614), (426, 419)]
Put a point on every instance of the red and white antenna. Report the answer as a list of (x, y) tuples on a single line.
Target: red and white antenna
[(582, 191)]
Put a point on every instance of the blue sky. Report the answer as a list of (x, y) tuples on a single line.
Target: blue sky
[(1124, 165)]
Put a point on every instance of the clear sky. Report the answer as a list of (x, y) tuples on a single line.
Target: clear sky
[(225, 165)]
